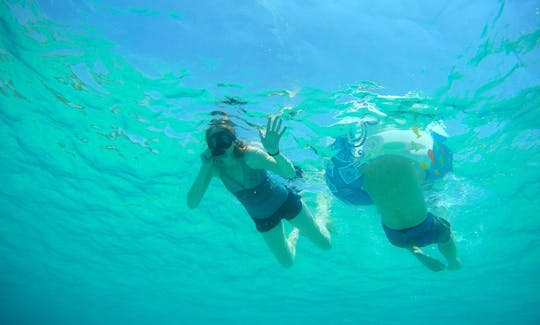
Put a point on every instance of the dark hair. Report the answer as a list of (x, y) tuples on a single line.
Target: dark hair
[(225, 124)]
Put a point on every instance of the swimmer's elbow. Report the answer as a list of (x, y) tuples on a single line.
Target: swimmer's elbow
[(290, 174)]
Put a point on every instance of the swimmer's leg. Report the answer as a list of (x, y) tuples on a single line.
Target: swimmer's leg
[(284, 249), (448, 249), (428, 261), (309, 227)]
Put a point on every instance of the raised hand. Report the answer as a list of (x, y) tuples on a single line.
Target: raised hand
[(271, 136)]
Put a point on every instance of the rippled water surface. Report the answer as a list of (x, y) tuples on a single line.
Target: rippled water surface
[(103, 107)]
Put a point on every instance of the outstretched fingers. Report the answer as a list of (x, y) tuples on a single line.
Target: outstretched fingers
[(269, 124), (282, 131), (278, 122), (274, 124)]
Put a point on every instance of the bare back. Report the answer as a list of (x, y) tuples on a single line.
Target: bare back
[(394, 184)]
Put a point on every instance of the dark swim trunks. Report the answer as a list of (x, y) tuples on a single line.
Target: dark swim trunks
[(430, 231), (288, 210)]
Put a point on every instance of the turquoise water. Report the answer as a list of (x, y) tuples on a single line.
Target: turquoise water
[(103, 108)]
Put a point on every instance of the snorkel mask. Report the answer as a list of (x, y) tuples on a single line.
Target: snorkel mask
[(220, 141)]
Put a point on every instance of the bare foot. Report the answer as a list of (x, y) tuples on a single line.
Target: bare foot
[(431, 263)]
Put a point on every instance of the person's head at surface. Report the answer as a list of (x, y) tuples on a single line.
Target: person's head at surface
[(221, 139)]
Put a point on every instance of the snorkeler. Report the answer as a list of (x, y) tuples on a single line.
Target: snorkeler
[(388, 169), (243, 171)]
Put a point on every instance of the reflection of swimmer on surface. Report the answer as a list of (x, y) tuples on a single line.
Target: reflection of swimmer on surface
[(388, 169)]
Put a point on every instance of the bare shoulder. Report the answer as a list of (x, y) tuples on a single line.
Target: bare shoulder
[(255, 157)]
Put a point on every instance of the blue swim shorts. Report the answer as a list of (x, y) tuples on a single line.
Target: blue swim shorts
[(432, 230), (288, 210)]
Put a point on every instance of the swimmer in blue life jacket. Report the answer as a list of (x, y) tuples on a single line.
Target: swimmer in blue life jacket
[(243, 170), (388, 169)]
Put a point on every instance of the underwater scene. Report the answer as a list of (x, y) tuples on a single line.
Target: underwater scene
[(122, 205)]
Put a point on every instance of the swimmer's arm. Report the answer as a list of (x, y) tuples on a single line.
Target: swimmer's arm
[(278, 164), (197, 190), (270, 138)]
